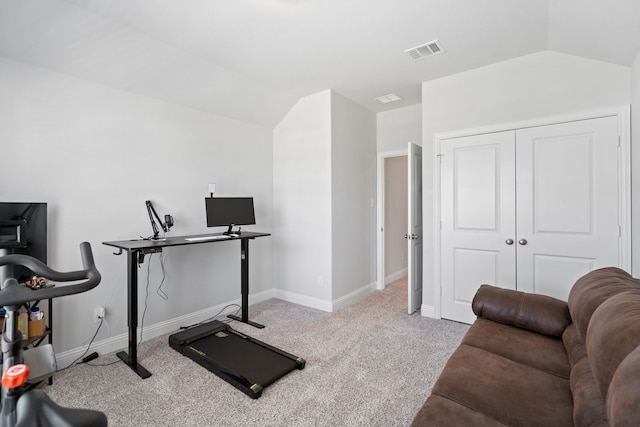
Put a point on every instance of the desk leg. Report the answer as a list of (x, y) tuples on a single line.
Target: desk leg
[(244, 288), (131, 359)]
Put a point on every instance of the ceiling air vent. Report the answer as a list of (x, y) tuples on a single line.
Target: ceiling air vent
[(425, 50), (392, 97)]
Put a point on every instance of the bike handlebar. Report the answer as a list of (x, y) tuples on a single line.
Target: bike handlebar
[(16, 295)]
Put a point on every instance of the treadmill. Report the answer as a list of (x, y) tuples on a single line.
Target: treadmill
[(246, 363)]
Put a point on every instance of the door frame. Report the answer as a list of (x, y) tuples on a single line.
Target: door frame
[(380, 255), (623, 113)]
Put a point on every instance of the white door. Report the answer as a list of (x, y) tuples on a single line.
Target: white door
[(415, 228), (478, 219), (532, 209), (567, 203)]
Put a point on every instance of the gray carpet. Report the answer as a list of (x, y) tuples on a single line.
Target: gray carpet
[(367, 364)]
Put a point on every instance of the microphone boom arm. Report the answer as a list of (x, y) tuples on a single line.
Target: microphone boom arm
[(152, 212)]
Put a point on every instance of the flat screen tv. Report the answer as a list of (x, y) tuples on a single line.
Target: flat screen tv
[(229, 212), (23, 230)]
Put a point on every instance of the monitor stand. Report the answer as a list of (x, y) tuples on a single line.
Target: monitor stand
[(230, 231)]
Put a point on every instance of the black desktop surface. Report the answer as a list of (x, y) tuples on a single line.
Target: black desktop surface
[(136, 244)]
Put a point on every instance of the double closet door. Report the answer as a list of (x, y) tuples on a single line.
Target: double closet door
[(530, 209)]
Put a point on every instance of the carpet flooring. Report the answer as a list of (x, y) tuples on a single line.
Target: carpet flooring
[(368, 364)]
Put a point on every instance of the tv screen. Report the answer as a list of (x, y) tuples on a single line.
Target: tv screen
[(229, 211), (23, 230)]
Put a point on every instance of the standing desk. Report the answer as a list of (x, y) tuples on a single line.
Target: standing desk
[(137, 249)]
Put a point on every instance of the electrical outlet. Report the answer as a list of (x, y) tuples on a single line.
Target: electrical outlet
[(98, 314)]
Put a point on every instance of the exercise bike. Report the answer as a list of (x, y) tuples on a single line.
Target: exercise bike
[(34, 408)]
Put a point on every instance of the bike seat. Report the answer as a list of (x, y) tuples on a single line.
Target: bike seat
[(36, 409)]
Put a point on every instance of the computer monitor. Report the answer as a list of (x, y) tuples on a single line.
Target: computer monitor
[(229, 212), (23, 230)]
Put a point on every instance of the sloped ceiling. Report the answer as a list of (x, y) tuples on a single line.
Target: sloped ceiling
[(253, 59)]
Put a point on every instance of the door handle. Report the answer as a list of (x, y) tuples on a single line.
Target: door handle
[(411, 237), (509, 241), (522, 242)]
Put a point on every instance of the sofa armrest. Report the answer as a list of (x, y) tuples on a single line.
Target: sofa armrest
[(537, 313)]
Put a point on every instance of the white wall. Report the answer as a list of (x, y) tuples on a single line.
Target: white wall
[(302, 202), (95, 154), (324, 177), (543, 84), (353, 163), (397, 127), (635, 161)]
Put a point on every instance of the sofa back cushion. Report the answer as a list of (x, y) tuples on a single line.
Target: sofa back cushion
[(622, 401), (605, 307), (593, 289), (612, 337)]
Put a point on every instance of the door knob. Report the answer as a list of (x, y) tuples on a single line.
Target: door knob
[(509, 241), (411, 236), (522, 241)]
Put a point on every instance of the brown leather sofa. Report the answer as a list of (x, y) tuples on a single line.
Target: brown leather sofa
[(532, 360)]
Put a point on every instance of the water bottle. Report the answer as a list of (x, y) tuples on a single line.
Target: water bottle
[(35, 314)]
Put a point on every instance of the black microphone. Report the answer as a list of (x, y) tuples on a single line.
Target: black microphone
[(168, 220)]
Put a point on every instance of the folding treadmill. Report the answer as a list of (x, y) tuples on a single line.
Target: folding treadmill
[(244, 362)]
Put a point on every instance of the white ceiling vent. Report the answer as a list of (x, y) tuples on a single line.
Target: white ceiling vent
[(392, 97), (425, 50)]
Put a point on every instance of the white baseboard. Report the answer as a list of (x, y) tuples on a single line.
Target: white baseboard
[(325, 305), (354, 296), (428, 311), (395, 276), (121, 341), (307, 301)]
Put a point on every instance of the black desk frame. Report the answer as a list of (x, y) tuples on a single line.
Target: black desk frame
[(137, 249)]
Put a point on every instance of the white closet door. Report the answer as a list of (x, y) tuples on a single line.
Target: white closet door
[(478, 219), (567, 203)]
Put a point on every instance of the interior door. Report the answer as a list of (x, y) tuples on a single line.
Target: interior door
[(415, 227), (567, 203), (477, 219)]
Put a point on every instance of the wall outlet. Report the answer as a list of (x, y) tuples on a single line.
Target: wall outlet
[(98, 314), (320, 281)]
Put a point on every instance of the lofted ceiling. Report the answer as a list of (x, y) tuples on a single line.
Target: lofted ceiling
[(251, 60)]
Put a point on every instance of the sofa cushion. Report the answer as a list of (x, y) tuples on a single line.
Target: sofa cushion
[(623, 400), (588, 404), (593, 289), (612, 335), (509, 392), (535, 350), (534, 312)]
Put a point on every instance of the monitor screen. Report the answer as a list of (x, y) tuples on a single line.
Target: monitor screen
[(23, 230), (229, 211)]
